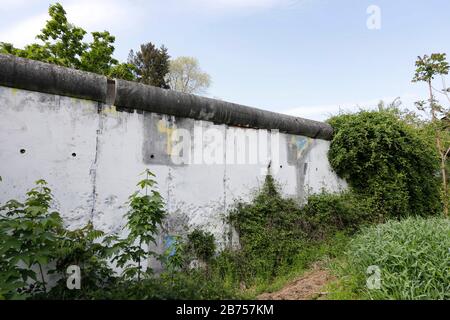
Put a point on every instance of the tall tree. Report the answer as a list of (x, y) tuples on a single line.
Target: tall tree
[(185, 75), (427, 68), (151, 64), (62, 39)]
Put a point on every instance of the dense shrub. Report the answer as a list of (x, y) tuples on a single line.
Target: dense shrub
[(269, 231), (275, 231), (386, 160), (412, 254), (34, 242), (29, 236), (325, 214), (201, 245), (186, 285), (81, 247)]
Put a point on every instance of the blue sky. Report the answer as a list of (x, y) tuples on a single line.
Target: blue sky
[(307, 58)]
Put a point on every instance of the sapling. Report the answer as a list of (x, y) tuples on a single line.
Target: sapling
[(144, 219)]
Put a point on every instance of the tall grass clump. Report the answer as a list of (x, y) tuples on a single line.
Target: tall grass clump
[(413, 257)]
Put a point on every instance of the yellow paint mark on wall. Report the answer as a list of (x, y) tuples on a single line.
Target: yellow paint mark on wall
[(164, 128), (110, 110)]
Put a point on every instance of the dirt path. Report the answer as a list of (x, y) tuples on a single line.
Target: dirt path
[(308, 286)]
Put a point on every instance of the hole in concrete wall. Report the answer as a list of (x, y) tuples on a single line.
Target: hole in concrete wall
[(74, 154), (305, 167), (281, 166), (22, 151), (152, 156)]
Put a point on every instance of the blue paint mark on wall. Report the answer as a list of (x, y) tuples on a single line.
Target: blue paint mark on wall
[(170, 245)]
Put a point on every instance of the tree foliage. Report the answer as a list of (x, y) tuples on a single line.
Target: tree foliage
[(125, 71), (151, 65), (386, 160), (427, 68), (186, 76)]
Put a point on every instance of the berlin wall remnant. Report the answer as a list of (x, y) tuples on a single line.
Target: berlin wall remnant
[(67, 127), (48, 78)]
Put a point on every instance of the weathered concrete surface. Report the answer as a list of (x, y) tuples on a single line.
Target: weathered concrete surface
[(38, 135), (91, 155)]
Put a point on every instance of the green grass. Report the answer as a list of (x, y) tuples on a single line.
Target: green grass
[(412, 254), (324, 253)]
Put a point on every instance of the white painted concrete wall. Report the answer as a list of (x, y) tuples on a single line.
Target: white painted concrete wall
[(111, 148)]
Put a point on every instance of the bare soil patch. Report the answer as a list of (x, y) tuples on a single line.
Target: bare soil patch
[(308, 286)]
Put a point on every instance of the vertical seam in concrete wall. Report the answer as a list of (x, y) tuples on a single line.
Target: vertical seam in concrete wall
[(225, 187), (111, 91), (93, 171), (302, 193), (169, 188)]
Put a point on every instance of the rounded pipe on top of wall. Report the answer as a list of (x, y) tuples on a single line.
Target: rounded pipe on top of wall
[(131, 94), (48, 78)]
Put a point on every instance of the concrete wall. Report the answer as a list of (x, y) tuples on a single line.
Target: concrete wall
[(91, 154)]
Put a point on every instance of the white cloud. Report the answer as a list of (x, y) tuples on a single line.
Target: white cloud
[(100, 14), (24, 32)]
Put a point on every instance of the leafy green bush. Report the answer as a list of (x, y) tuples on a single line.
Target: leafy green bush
[(325, 214), (144, 219), (186, 285), (33, 242), (201, 244), (80, 247), (387, 161), (33, 239), (29, 235), (269, 230), (412, 254)]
